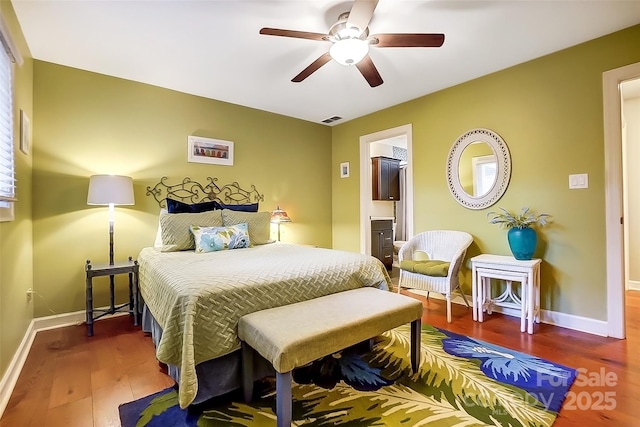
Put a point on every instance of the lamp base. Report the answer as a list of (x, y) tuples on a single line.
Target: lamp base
[(110, 242)]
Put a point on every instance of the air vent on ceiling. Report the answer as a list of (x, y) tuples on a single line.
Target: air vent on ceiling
[(332, 119)]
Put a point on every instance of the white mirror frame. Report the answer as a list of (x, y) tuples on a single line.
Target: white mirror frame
[(503, 172)]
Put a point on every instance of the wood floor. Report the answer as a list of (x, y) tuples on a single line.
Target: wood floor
[(72, 380)]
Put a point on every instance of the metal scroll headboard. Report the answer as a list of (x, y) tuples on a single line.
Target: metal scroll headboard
[(190, 191)]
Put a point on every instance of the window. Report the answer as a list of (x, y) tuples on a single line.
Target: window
[(7, 161), (485, 169)]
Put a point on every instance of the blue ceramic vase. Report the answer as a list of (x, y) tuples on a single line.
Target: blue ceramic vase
[(522, 242)]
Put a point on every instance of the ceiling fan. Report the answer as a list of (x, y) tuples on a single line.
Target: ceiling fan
[(350, 41)]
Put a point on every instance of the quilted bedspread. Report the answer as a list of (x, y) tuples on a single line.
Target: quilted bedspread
[(198, 298)]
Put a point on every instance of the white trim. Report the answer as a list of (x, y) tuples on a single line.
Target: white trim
[(365, 181), (10, 377), (563, 320), (61, 320), (577, 323), (613, 195), (633, 285)]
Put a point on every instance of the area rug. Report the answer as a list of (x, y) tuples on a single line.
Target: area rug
[(461, 382)]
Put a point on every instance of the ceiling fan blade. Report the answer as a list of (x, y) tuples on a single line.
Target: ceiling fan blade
[(407, 40), (312, 68), (293, 33), (369, 72), (361, 13)]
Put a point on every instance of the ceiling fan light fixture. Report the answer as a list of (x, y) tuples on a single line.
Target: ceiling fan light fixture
[(349, 51)]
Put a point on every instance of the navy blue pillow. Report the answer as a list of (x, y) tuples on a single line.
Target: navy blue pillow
[(251, 207), (174, 206)]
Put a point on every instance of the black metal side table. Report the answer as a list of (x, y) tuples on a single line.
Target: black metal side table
[(94, 270)]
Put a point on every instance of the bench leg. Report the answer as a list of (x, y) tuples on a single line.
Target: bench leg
[(283, 399), (416, 330), (247, 372)]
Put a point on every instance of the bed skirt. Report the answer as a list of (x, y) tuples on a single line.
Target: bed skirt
[(215, 377)]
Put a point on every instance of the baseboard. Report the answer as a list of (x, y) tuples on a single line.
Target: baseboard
[(569, 321), (10, 377), (633, 285)]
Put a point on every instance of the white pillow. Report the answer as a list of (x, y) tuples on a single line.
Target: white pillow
[(158, 242)]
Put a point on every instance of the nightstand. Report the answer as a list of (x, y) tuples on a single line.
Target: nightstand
[(129, 267)]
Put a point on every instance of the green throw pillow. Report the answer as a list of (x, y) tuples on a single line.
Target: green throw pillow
[(428, 268), (174, 228), (210, 239), (259, 224)]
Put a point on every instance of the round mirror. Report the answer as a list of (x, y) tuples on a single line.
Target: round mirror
[(478, 168)]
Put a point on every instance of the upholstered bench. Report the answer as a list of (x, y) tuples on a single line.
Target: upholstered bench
[(294, 335)]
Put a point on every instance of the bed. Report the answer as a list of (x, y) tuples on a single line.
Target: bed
[(192, 301)]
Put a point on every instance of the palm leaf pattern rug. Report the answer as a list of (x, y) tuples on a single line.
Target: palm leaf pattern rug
[(461, 382)]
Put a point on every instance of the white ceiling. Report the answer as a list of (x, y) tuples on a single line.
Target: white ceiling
[(213, 49)]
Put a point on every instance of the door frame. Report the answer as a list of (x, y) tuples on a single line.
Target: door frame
[(613, 195), (365, 181)]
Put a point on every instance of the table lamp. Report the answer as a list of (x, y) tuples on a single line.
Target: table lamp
[(110, 190), (278, 216)]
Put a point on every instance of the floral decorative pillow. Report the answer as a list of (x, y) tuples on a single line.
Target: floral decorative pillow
[(211, 239)]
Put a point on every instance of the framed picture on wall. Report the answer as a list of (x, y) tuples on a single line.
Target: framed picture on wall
[(344, 170), (207, 150), (25, 133)]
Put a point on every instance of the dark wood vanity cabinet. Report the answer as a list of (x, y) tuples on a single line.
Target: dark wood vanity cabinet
[(382, 241), (386, 178)]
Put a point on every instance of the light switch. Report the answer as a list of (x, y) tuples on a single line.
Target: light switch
[(579, 181)]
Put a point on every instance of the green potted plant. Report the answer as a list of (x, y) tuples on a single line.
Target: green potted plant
[(522, 237)]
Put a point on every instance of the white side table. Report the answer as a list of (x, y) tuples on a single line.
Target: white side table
[(486, 267)]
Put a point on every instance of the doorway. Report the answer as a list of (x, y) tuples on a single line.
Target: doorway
[(614, 196), (630, 92), (366, 210)]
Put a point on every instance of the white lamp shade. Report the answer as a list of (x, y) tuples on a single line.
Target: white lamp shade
[(106, 189), (349, 51)]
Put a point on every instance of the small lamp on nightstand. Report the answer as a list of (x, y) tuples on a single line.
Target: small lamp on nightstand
[(278, 216), (110, 190)]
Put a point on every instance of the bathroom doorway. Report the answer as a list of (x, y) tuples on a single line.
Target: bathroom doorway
[(395, 143)]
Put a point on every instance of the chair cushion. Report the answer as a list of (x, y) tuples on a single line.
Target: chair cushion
[(431, 267)]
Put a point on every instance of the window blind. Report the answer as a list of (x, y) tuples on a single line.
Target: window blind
[(7, 164)]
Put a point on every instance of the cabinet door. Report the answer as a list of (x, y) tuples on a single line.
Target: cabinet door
[(387, 258), (376, 244), (393, 180), (378, 189), (382, 241), (387, 248), (385, 178)]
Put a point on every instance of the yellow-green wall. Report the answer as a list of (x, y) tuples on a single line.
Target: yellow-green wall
[(16, 267), (87, 123), (549, 111)]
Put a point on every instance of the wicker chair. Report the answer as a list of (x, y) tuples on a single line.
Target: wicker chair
[(443, 245)]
